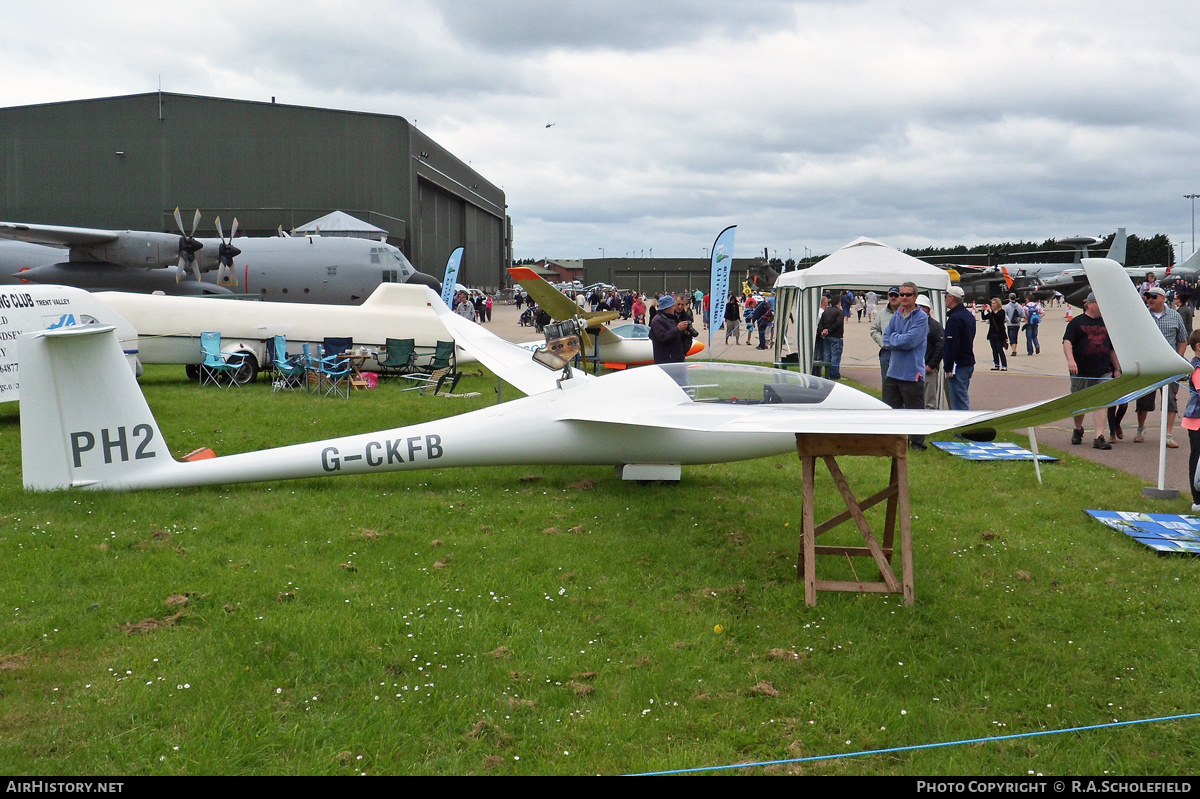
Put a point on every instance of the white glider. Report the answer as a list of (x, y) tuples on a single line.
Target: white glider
[(85, 423), (169, 327)]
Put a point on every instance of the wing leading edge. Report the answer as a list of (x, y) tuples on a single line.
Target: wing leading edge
[(56, 235), (1147, 362)]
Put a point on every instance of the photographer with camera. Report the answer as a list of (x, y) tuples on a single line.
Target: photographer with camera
[(670, 335)]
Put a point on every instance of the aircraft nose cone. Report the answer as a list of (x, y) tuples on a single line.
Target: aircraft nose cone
[(422, 279)]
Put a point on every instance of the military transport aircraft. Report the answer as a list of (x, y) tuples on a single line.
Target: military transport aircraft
[(1042, 280), (330, 269), (85, 423)]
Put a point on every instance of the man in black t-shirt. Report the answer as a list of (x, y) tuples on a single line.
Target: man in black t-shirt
[(1090, 358)]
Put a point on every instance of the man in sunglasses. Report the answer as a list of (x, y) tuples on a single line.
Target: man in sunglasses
[(1170, 323), (905, 337)]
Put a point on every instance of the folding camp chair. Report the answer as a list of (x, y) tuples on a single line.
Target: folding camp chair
[(218, 368), (312, 368), (335, 376), (335, 345), (442, 366), (289, 372), (401, 358)]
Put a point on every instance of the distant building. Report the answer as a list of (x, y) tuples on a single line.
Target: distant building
[(127, 162), (657, 275), (561, 271)]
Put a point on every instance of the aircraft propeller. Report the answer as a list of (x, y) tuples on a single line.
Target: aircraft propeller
[(188, 246), (225, 255)]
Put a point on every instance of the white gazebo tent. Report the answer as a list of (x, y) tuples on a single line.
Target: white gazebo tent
[(861, 265)]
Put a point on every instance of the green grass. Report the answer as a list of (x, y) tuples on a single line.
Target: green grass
[(557, 620)]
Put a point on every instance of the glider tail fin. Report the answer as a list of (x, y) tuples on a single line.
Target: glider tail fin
[(1147, 360), (84, 421)]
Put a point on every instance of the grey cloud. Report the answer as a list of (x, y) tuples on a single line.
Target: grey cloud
[(370, 51), (518, 25)]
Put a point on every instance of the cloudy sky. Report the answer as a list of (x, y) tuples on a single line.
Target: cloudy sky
[(806, 123)]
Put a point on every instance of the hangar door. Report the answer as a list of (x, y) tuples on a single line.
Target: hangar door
[(440, 229), (447, 221)]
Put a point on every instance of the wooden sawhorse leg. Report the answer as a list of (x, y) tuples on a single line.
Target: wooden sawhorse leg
[(828, 448)]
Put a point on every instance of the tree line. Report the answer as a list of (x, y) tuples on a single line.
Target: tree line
[(1153, 251)]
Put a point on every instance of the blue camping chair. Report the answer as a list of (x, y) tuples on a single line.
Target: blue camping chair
[(219, 369), (335, 376), (336, 370), (333, 346), (312, 368), (289, 372)]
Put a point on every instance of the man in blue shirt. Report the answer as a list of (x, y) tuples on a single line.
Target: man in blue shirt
[(905, 337)]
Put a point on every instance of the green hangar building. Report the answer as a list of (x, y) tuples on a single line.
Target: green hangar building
[(128, 162)]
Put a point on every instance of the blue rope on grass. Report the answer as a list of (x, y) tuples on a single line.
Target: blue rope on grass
[(915, 747)]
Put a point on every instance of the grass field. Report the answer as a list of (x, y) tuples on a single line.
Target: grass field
[(559, 621)]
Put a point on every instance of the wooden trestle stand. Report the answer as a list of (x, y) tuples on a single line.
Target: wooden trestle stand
[(810, 447)]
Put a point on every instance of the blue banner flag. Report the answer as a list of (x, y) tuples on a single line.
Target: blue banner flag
[(718, 290), (451, 277)]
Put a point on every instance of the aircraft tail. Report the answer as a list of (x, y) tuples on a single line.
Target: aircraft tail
[(84, 421), (1191, 264), (1117, 251)]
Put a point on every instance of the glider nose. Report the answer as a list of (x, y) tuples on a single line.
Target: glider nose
[(697, 347)]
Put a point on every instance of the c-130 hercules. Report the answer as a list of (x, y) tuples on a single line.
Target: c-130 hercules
[(330, 270)]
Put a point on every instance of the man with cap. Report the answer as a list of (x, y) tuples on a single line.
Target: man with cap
[(1170, 323), (463, 306), (1014, 314), (1090, 357), (934, 347), (880, 324), (668, 333), (958, 355)]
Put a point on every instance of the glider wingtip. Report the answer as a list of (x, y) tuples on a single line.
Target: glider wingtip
[(520, 273)]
